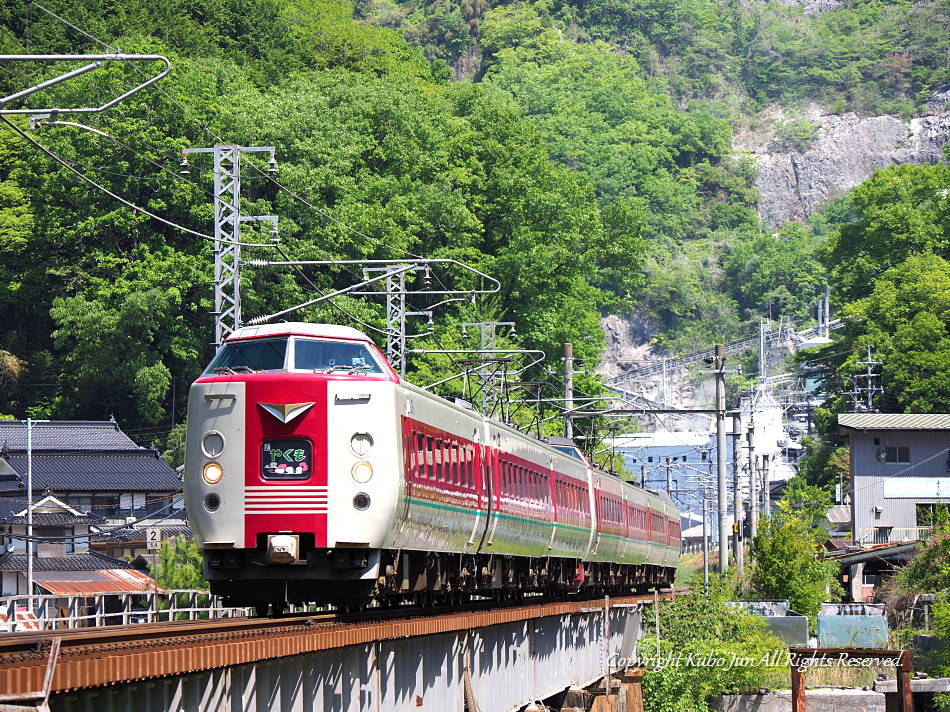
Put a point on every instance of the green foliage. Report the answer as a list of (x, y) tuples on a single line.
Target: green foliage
[(795, 135), (929, 570), (180, 565), (825, 463), (776, 273), (898, 212), (788, 565), (174, 452), (694, 628), (806, 503), (906, 322), (269, 39)]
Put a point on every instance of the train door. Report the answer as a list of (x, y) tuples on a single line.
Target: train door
[(491, 470), (410, 461), (596, 516), (483, 490)]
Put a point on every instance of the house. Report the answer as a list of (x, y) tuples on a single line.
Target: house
[(90, 482), (900, 473), (92, 466)]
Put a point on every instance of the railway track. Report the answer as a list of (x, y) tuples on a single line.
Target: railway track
[(34, 664)]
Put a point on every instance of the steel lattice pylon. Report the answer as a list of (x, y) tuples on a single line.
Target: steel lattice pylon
[(227, 249), (227, 233), (396, 321)]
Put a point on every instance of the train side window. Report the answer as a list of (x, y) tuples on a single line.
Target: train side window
[(430, 458), (439, 461), (420, 455), (455, 464), (412, 455)]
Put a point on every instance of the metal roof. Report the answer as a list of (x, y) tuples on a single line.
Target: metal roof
[(65, 435), (839, 514), (90, 583), (894, 421)]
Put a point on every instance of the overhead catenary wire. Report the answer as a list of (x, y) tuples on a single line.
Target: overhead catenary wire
[(108, 192), (204, 127)]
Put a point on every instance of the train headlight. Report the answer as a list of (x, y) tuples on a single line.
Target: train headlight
[(212, 473), (361, 444), (361, 501), (362, 472)]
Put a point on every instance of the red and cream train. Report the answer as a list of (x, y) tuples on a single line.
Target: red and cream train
[(313, 473)]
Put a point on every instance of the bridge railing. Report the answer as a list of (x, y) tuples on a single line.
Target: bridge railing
[(53, 611)]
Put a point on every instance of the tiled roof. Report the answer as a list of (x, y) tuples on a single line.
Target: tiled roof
[(894, 421), (838, 544), (130, 471), (56, 519), (92, 561), (65, 436), (137, 535)]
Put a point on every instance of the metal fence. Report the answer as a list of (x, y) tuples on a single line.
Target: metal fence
[(891, 535), (52, 612)]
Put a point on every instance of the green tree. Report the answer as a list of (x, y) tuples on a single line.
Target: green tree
[(806, 503), (899, 212), (180, 565), (788, 565)]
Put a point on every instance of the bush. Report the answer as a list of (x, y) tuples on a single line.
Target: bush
[(929, 570), (707, 648), (795, 135)]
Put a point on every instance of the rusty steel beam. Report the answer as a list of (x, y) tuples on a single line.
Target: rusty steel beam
[(94, 657)]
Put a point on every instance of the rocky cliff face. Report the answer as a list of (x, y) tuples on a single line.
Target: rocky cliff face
[(845, 151)]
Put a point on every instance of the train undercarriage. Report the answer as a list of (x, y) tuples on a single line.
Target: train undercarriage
[(339, 576)]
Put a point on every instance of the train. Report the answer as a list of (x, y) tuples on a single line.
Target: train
[(314, 473)]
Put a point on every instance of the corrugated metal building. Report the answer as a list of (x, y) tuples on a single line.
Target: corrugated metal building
[(900, 472)]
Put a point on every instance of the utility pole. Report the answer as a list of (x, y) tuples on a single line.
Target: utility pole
[(722, 493), (29, 507), (669, 475), (568, 388), (227, 231), (705, 548), (736, 493), (753, 484)]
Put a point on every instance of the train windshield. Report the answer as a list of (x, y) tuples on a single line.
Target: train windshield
[(250, 355), (572, 451), (329, 356)]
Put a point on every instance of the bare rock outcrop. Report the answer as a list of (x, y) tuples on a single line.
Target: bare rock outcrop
[(845, 151)]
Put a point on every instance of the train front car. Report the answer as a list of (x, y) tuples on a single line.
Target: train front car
[(291, 465)]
